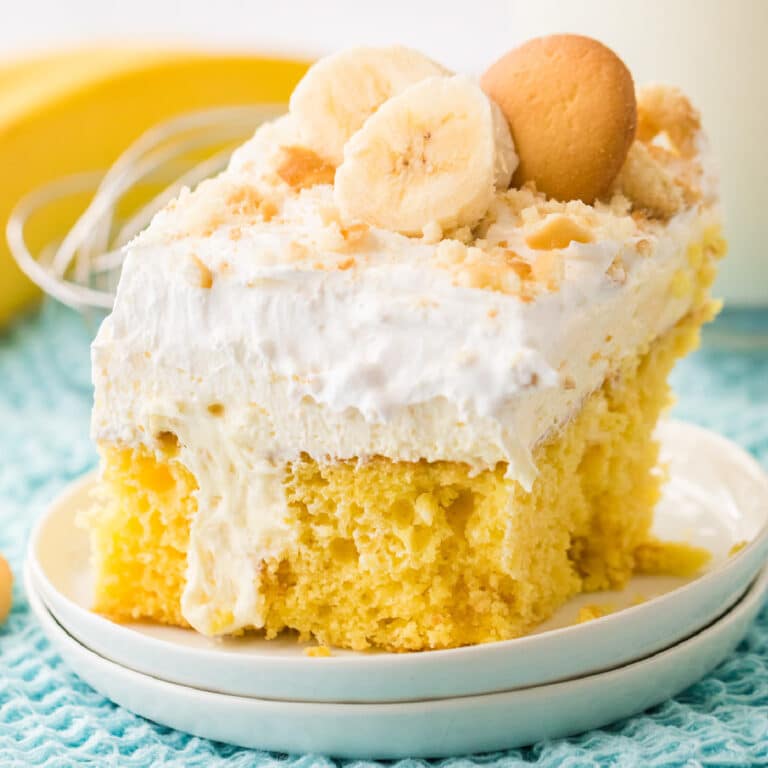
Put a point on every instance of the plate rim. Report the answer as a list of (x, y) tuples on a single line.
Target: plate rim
[(744, 610), (747, 559)]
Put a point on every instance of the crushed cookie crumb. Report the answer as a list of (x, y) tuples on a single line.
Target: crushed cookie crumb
[(201, 277), (297, 251), (301, 168), (549, 269), (521, 268), (355, 233), (462, 234), (569, 382), (617, 271), (643, 247), (665, 109), (472, 267), (493, 312), (216, 409), (558, 231), (244, 201), (268, 210), (450, 252), (235, 233), (340, 239), (329, 214), (432, 233), (648, 184), (346, 264)]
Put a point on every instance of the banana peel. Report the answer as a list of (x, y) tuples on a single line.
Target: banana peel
[(77, 111)]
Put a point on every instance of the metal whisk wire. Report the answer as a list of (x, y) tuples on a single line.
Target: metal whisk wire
[(82, 270)]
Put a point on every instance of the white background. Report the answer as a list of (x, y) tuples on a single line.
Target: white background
[(464, 35), (717, 50)]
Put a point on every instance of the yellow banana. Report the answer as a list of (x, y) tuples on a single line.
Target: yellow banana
[(76, 111)]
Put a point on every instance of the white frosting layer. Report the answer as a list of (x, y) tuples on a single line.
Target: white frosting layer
[(278, 357), (388, 358)]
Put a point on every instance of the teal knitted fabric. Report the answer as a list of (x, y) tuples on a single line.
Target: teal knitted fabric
[(48, 717)]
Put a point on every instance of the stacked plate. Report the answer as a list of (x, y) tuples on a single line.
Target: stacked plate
[(662, 635)]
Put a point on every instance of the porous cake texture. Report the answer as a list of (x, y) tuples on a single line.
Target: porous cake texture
[(313, 419)]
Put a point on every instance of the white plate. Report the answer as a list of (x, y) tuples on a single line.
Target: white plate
[(717, 496), (435, 728)]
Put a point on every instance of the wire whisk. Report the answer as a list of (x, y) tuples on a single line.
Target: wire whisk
[(82, 269)]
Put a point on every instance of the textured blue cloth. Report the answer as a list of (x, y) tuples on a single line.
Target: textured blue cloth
[(48, 717)]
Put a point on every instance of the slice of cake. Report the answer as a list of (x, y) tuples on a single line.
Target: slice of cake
[(392, 378)]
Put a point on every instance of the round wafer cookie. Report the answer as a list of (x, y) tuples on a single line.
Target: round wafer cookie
[(570, 102)]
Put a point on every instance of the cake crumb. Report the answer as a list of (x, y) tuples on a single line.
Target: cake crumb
[(737, 547), (670, 558), (592, 612), (318, 652), (680, 285)]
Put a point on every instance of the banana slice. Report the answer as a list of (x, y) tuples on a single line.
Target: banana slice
[(341, 91), (506, 157), (434, 153)]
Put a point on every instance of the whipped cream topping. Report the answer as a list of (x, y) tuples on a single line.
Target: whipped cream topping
[(388, 357), (257, 334)]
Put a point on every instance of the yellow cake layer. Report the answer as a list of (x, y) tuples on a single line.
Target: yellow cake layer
[(410, 556)]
